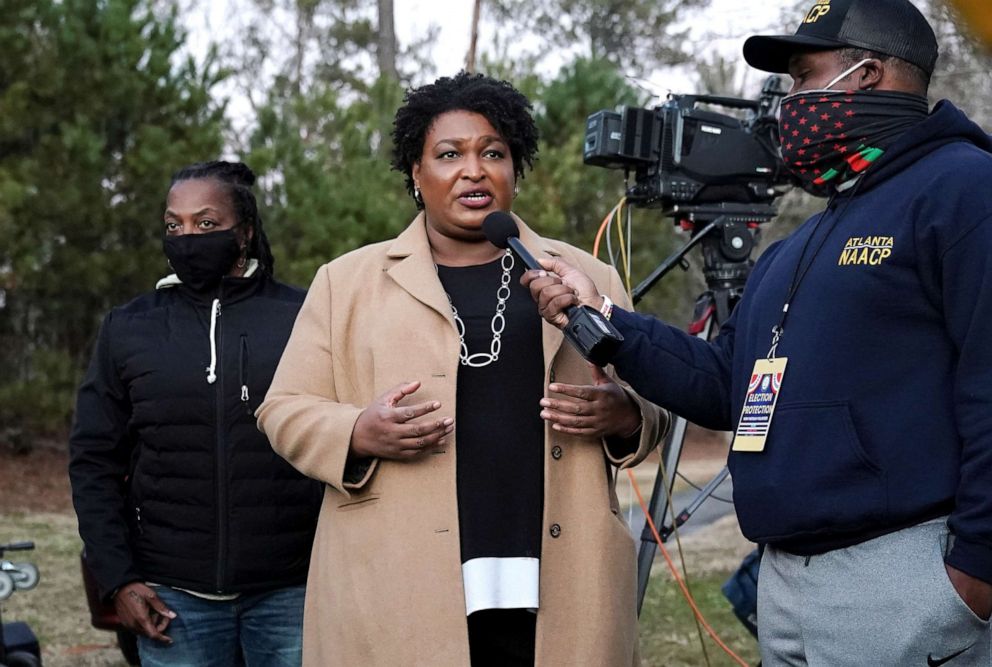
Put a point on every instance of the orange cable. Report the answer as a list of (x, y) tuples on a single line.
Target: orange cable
[(625, 256), (640, 498), (685, 568), (685, 591), (604, 225)]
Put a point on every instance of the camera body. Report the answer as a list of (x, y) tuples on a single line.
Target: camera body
[(682, 155)]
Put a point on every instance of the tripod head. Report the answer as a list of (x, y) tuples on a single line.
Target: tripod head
[(728, 234)]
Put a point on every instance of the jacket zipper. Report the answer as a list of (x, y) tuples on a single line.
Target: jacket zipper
[(244, 373), (221, 454)]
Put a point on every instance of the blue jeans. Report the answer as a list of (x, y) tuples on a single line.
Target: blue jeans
[(260, 630)]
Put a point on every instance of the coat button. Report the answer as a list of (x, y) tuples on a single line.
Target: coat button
[(555, 530), (556, 452), (551, 376)]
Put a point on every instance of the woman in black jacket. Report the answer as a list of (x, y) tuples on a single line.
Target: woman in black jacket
[(195, 529)]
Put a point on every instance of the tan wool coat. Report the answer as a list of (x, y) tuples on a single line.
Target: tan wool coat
[(385, 584)]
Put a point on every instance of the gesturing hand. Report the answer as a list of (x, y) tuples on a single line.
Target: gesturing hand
[(598, 410), (388, 430), (142, 612)]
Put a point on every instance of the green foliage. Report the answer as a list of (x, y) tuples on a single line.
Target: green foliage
[(96, 112), (325, 178), (563, 196), (321, 143), (36, 399)]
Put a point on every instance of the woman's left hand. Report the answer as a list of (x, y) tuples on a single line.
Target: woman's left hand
[(602, 409)]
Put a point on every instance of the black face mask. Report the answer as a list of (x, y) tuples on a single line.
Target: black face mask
[(201, 260)]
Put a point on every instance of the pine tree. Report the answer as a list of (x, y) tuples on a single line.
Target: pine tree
[(97, 109)]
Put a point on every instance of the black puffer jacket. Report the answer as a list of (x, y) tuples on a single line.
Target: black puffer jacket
[(171, 480)]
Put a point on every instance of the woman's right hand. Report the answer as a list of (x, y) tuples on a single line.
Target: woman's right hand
[(390, 431), (142, 612)]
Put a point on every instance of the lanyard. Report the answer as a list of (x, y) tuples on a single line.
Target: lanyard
[(800, 272)]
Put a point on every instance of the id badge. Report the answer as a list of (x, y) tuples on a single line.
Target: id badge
[(759, 405)]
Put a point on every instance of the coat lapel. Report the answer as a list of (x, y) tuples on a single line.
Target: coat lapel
[(412, 268)]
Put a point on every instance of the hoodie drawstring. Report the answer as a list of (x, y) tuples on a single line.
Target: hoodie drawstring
[(212, 368)]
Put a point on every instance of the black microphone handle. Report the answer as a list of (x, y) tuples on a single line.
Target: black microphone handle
[(528, 259), (520, 251)]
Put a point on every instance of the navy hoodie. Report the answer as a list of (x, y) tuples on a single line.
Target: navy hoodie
[(884, 418)]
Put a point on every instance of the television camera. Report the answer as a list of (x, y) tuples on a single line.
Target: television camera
[(683, 155)]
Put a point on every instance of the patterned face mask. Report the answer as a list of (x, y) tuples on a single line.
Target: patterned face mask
[(831, 136)]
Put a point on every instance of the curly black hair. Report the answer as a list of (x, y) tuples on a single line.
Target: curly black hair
[(505, 107), (237, 179)]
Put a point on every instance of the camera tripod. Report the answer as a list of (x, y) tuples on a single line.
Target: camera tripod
[(727, 234)]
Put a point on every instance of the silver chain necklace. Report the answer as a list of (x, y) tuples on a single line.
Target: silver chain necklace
[(480, 359)]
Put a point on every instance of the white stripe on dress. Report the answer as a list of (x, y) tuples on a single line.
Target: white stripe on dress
[(501, 583)]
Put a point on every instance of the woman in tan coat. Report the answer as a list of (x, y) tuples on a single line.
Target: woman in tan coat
[(471, 516)]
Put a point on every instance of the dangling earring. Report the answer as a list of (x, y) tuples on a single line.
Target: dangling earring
[(244, 257), (416, 196), (516, 190)]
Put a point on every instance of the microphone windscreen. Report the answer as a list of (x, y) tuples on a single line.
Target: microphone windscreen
[(499, 227)]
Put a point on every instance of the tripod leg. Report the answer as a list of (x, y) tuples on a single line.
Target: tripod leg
[(703, 326), (696, 503), (658, 507)]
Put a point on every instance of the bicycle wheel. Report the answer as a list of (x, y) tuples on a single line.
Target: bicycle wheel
[(25, 576), (6, 586)]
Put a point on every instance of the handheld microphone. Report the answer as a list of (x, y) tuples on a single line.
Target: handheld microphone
[(587, 330)]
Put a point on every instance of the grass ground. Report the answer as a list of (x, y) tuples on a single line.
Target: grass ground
[(56, 610), (669, 636), (35, 505)]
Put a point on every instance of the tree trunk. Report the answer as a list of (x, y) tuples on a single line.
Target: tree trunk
[(386, 51), (473, 42)]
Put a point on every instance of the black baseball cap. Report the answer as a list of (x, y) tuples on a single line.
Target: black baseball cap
[(893, 27)]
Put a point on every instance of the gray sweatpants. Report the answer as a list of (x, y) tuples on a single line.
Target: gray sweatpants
[(884, 602)]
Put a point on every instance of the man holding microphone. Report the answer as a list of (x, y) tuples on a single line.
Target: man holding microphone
[(856, 370)]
